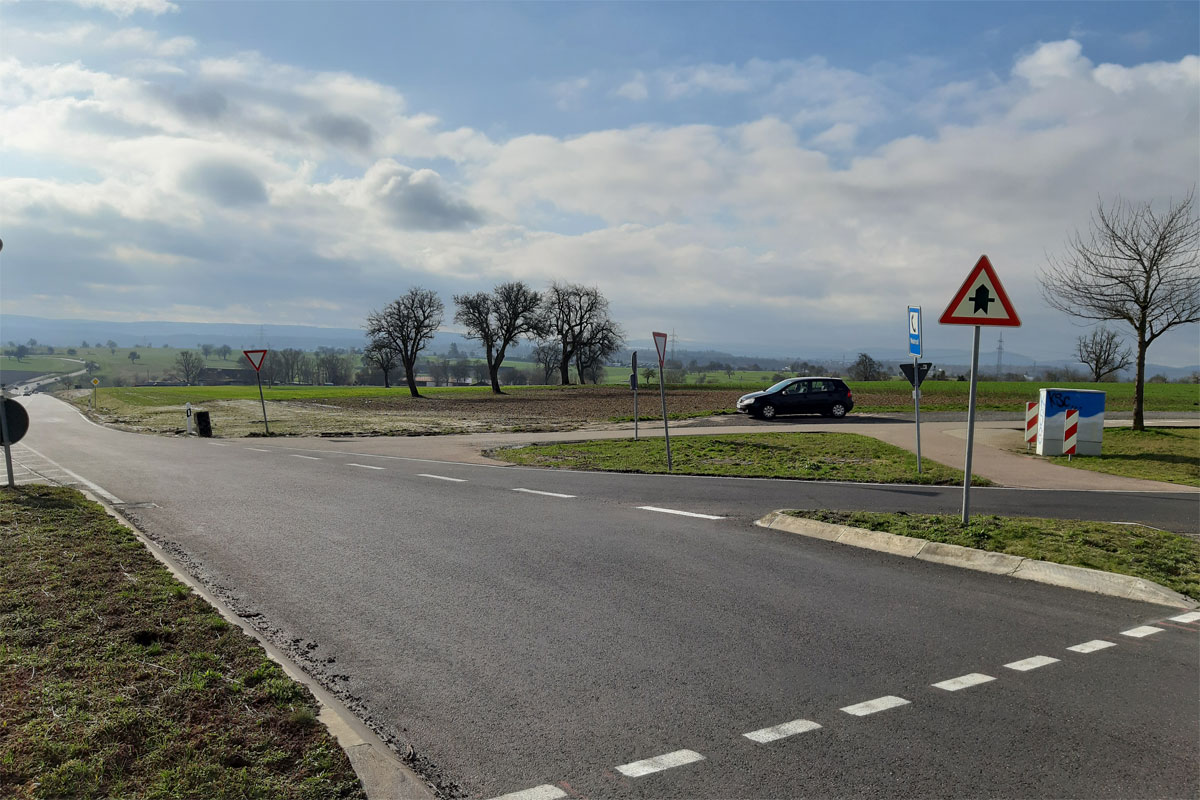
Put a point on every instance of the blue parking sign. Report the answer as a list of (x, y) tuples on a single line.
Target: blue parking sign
[(914, 331)]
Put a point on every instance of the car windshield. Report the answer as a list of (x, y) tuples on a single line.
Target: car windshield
[(779, 385)]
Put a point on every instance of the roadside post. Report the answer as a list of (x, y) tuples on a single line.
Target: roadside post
[(916, 372), (981, 300), (660, 344), (633, 383), (256, 358), (14, 422), (188, 406), (914, 350), (95, 383)]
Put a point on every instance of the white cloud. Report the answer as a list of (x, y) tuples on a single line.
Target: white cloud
[(634, 89), (123, 8)]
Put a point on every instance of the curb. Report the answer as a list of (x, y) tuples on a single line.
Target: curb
[(382, 774), (1080, 578)]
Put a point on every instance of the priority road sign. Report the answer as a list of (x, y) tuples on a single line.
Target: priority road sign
[(981, 300), (95, 381), (914, 331), (255, 357)]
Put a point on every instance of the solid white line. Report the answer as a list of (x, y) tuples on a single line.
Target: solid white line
[(543, 792), (680, 513), (1092, 646), (876, 705), (363, 466), (259, 450), (439, 477), (547, 494), (1027, 664), (1191, 616), (310, 458), (955, 684), (217, 444), (764, 735), (112, 498), (1145, 630), (657, 764)]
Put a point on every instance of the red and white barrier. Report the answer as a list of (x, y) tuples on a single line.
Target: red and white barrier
[(1070, 431), (1031, 423)]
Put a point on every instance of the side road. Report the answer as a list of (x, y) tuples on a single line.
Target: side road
[(994, 457)]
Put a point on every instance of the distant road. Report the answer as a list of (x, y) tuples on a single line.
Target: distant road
[(586, 635)]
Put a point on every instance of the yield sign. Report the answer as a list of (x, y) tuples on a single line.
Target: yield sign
[(660, 343), (981, 300), (255, 357)]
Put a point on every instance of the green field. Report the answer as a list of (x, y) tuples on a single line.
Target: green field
[(1155, 454)]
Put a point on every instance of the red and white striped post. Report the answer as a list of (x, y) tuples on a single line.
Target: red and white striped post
[(1031, 423), (1070, 432)]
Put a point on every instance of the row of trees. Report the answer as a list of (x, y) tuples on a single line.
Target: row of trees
[(570, 322)]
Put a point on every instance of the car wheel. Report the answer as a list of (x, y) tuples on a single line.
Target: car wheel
[(837, 410), (767, 411)]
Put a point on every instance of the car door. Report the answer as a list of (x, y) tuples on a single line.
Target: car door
[(818, 397), (792, 399)]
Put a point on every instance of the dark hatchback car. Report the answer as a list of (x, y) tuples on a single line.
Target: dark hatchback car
[(830, 397)]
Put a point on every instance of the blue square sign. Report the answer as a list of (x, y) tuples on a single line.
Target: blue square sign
[(914, 331)]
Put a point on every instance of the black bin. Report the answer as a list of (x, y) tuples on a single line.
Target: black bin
[(203, 424)]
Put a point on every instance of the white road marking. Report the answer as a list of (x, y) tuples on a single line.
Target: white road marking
[(680, 513), (876, 705), (1027, 664), (1191, 616), (441, 477), (547, 494), (543, 792), (966, 681), (775, 732), (1145, 630), (362, 466), (112, 498), (1092, 646), (310, 458), (259, 450), (657, 764), (217, 444)]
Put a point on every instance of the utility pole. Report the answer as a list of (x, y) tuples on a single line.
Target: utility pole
[(1000, 358)]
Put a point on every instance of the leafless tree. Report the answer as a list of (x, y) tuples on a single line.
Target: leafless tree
[(1137, 265), (577, 317), (499, 319), (207, 350), (546, 356), (599, 344), (382, 356), (408, 323), (866, 369), (189, 365), (1101, 352)]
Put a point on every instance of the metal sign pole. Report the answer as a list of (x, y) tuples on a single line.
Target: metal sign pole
[(666, 429), (633, 379), (264, 402), (966, 504), (917, 406), (12, 484)]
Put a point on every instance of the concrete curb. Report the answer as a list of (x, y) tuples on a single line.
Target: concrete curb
[(1081, 578), (382, 774)]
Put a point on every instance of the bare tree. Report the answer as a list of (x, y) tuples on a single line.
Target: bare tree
[(224, 351), (866, 368), (408, 324), (499, 319), (546, 355), (1137, 265), (577, 317), (382, 356), (599, 343), (207, 350), (189, 365), (1101, 352)]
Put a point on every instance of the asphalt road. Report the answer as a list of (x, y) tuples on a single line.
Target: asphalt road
[(519, 640)]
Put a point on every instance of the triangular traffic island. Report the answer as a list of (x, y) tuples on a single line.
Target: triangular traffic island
[(981, 300)]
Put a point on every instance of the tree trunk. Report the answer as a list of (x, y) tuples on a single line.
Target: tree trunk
[(410, 376), (493, 363), (564, 370), (1139, 386), (387, 384)]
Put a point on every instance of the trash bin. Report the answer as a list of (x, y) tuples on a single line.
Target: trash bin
[(203, 424)]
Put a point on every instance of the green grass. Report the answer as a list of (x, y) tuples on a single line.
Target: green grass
[(1155, 454), (807, 456), (1165, 558), (48, 365), (117, 681)]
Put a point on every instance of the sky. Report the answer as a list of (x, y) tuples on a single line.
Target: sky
[(764, 178)]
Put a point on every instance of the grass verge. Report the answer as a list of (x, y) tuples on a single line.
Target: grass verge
[(805, 456), (1155, 454), (1165, 558), (117, 681)]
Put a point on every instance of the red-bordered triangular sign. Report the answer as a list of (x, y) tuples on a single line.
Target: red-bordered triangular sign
[(255, 357), (660, 344), (981, 300)]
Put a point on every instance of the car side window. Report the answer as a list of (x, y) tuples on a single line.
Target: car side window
[(821, 386), (798, 387)]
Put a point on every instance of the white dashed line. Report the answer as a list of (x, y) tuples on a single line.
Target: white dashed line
[(680, 513), (964, 682), (362, 466), (310, 458), (657, 764), (1191, 616), (1092, 646), (876, 705), (259, 450), (1145, 630), (1031, 663), (543, 792), (765, 735), (441, 477), (547, 494), (217, 444)]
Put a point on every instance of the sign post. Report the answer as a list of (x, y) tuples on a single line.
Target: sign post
[(14, 422), (981, 300), (633, 383), (256, 358), (660, 344), (914, 350), (95, 383)]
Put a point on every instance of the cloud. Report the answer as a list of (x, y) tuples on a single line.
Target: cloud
[(634, 89), (416, 199), (569, 92), (224, 183), (123, 8), (342, 130)]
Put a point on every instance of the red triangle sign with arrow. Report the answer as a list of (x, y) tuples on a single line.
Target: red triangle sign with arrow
[(255, 357), (981, 300)]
